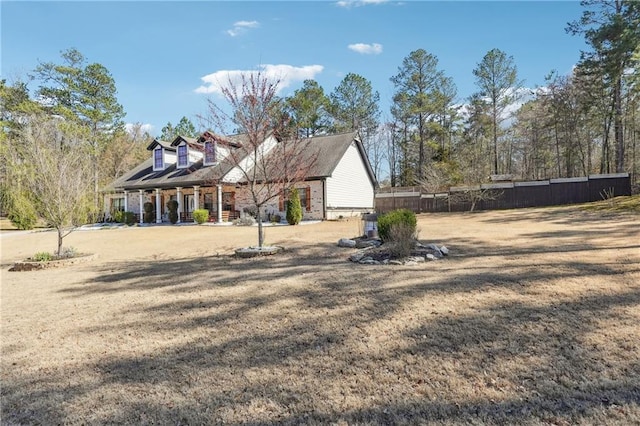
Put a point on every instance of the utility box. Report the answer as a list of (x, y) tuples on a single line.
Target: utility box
[(370, 221)]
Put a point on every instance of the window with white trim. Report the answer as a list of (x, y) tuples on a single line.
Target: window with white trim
[(183, 156), (158, 159), (209, 153)]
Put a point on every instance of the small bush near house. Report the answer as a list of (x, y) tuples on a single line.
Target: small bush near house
[(200, 216), (395, 217), (276, 218), (128, 218), (245, 221), (294, 209), (172, 206), (148, 212), (251, 211)]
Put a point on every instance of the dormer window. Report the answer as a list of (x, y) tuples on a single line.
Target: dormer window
[(209, 153), (158, 159), (183, 156)]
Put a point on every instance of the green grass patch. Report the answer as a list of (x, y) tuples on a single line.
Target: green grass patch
[(629, 204)]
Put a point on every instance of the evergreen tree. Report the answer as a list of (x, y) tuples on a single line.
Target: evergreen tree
[(294, 208), (308, 109), (612, 29), (354, 105), (497, 77), (84, 94)]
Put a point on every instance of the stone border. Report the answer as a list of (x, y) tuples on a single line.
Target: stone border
[(33, 265)]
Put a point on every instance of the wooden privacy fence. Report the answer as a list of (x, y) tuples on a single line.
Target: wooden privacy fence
[(505, 195)]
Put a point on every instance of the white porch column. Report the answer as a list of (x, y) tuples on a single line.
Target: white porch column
[(126, 200), (219, 195), (179, 200), (196, 197), (158, 207), (140, 208)]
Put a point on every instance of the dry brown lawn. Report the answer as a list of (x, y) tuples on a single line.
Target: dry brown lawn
[(533, 319)]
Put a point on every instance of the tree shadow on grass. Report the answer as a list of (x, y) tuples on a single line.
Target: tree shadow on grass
[(305, 338)]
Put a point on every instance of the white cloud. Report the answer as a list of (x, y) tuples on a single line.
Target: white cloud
[(357, 3), (366, 49), (138, 129), (240, 27), (286, 74)]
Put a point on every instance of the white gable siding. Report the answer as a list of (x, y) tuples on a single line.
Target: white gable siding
[(349, 186), (170, 157), (248, 162)]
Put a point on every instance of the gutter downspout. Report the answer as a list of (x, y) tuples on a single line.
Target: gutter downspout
[(324, 199)]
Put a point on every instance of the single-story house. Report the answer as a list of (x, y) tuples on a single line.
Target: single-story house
[(203, 173)]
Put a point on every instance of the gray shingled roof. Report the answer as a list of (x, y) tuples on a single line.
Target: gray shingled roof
[(327, 151), (143, 176)]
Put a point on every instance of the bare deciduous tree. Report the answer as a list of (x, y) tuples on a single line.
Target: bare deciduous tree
[(268, 163), (50, 162)]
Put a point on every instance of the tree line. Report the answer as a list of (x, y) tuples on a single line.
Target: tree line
[(577, 124)]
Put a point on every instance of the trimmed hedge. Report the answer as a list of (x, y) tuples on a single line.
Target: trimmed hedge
[(128, 218), (403, 217), (294, 208), (172, 206), (201, 216), (148, 215)]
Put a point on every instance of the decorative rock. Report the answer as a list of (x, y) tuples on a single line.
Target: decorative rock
[(444, 250), (366, 259), (431, 257), (356, 257), (346, 242), (367, 243), (249, 252), (395, 262), (416, 259), (411, 263), (438, 254)]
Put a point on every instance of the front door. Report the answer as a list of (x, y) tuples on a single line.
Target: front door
[(189, 206)]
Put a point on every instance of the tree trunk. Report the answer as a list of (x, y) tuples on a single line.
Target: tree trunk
[(60, 236), (618, 127), (494, 117), (260, 230)]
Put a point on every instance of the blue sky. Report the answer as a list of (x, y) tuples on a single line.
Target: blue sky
[(160, 53)]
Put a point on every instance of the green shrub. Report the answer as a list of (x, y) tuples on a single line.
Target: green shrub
[(200, 216), (395, 217), (294, 209), (42, 257), (148, 215), (128, 218), (402, 240), (172, 205), (21, 212)]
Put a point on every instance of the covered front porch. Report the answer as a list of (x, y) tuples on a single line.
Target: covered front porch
[(218, 200)]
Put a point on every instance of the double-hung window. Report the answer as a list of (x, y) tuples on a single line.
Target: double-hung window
[(183, 156), (158, 159), (209, 153)]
